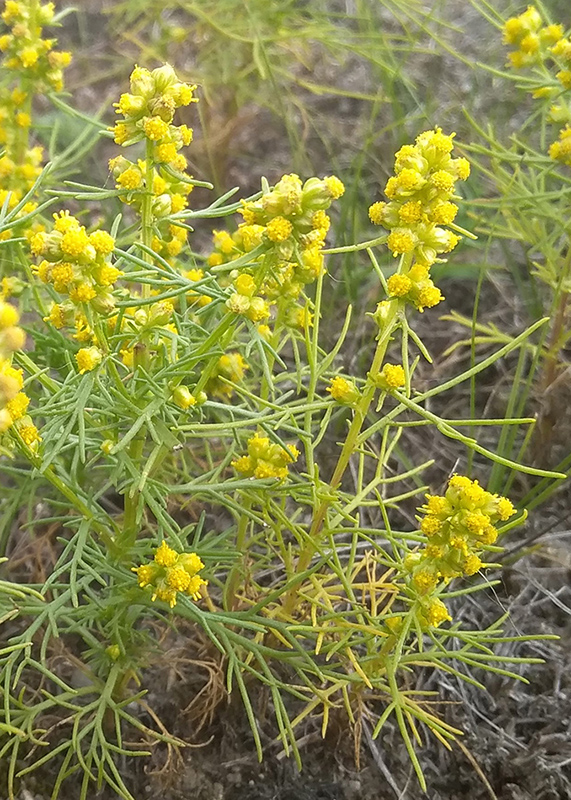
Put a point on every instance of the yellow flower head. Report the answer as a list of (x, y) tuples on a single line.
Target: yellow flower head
[(334, 186), (401, 240), (430, 525), (9, 316), (505, 508), (155, 128), (279, 229), (425, 580), (428, 297), (88, 358), (30, 434), (399, 285), (103, 242), (343, 391), (436, 612), (392, 376), (177, 578), (74, 241), (472, 564), (376, 213), (165, 556)]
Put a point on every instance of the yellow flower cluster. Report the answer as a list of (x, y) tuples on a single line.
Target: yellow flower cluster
[(25, 50), (169, 196), (230, 367), (533, 41), (458, 525), (245, 301), (547, 45), (416, 286), (31, 67), (170, 573), (420, 206), (13, 401), (77, 264), (228, 247), (289, 218), (290, 223), (293, 213), (266, 459), (148, 111)]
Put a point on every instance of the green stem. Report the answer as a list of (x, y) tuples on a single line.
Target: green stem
[(353, 248), (241, 546), (128, 535), (351, 442), (147, 211), (313, 358)]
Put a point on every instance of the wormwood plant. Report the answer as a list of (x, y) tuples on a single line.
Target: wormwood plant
[(185, 417)]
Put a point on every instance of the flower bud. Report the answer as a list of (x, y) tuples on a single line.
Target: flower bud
[(131, 105), (141, 317), (238, 303), (272, 204), (285, 250), (142, 82), (113, 651), (162, 205), (104, 302), (163, 107), (45, 14), (316, 195), (183, 398), (163, 77), (161, 313)]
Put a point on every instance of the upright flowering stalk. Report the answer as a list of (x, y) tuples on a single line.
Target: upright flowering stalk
[(420, 212), (156, 186), (545, 49), (32, 67)]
